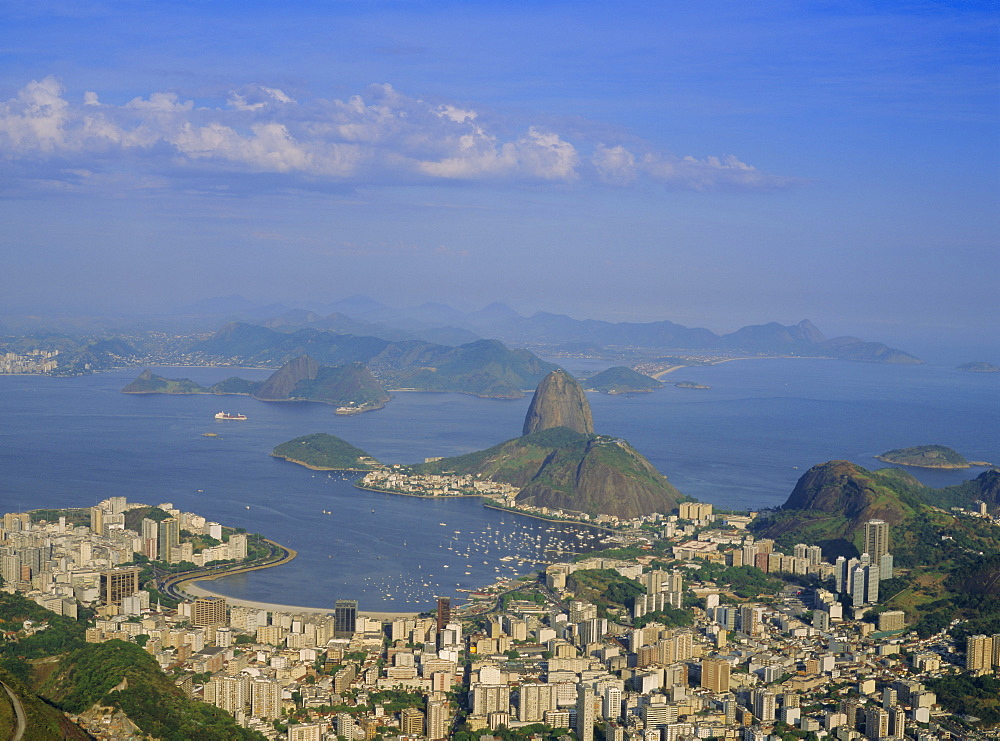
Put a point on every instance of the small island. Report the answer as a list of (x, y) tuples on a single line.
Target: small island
[(928, 456), (690, 385), (323, 452), (979, 366), (622, 380)]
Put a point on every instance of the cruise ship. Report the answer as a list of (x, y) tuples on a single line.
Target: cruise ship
[(227, 415)]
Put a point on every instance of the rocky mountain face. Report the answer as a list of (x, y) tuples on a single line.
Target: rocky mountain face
[(845, 489), (281, 384), (602, 476), (559, 401)]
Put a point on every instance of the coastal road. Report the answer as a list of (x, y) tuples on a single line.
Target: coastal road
[(172, 585), (22, 722)]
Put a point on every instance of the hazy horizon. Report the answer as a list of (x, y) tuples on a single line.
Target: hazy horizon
[(750, 164)]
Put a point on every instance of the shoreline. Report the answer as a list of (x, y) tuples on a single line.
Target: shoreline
[(491, 505), (319, 468), (195, 589), (418, 496)]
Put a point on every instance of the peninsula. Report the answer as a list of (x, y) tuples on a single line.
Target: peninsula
[(928, 456)]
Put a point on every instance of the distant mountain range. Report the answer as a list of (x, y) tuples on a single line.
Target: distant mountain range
[(392, 341), (483, 367), (351, 386), (442, 323)]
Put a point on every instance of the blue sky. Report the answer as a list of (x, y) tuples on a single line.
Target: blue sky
[(714, 164)]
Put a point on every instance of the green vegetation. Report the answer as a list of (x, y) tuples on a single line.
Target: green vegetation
[(671, 617), (42, 720), (299, 380), (74, 516), (604, 588), (91, 674), (925, 456), (562, 469), (150, 383), (62, 634), (746, 582), (967, 695), (950, 562), (622, 380), (325, 452), (484, 368)]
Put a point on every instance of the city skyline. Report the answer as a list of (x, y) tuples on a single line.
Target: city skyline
[(717, 169)]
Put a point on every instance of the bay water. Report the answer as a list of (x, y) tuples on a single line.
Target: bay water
[(741, 444)]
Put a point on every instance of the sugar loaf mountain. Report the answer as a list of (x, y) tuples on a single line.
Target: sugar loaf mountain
[(558, 462)]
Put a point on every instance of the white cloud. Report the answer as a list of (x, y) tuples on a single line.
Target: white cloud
[(381, 136)]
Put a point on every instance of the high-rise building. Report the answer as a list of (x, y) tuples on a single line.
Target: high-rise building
[(119, 583), (345, 618), (876, 722), (232, 693), (490, 698), (611, 705), (411, 722), (585, 713), (206, 611), (764, 705), (265, 698), (443, 612), (715, 675), (150, 538), (535, 700), (97, 520), (437, 718), (168, 538), (978, 653), (876, 539)]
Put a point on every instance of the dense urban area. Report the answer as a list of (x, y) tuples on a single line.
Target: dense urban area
[(693, 629)]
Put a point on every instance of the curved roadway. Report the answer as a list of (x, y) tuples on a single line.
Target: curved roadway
[(171, 586), (22, 722)]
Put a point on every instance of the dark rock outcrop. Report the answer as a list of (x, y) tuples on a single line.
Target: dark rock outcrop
[(283, 381), (559, 401), (607, 476)]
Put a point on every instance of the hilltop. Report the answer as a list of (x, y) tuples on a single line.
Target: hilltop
[(562, 469), (55, 670), (559, 401), (351, 386), (925, 456), (622, 380), (483, 367), (325, 452), (559, 462), (832, 501)]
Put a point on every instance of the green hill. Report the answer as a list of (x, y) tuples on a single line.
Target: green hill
[(831, 503), (622, 380), (325, 452), (925, 456), (150, 383), (123, 675), (562, 469), (301, 379), (484, 367)]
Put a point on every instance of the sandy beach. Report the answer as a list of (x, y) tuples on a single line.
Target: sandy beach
[(195, 589)]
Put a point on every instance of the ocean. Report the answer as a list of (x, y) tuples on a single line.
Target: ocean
[(742, 444)]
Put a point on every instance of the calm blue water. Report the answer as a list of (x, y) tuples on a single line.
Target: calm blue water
[(742, 444)]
